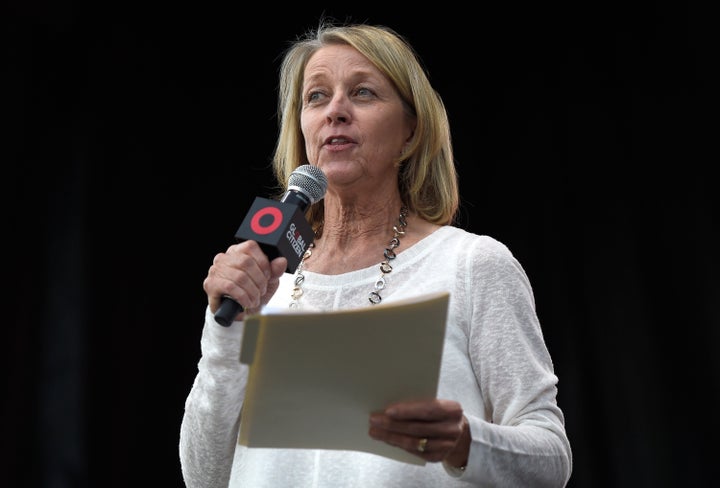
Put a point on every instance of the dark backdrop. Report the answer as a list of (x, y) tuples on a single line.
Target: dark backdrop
[(137, 135)]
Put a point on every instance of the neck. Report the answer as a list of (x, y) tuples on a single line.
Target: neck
[(389, 255), (353, 242), (343, 219)]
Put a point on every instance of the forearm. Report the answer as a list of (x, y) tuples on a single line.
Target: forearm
[(210, 423), (535, 453)]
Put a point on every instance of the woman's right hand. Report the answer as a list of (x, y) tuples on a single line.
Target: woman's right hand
[(244, 273)]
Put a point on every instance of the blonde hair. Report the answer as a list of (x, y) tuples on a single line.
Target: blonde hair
[(427, 178)]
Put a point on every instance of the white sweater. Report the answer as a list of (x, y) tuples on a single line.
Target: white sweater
[(495, 364)]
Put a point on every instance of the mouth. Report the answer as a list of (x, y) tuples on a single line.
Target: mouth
[(337, 141)]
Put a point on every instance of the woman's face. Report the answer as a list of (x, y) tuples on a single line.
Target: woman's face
[(352, 119)]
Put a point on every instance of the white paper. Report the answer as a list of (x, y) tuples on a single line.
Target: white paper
[(316, 377)]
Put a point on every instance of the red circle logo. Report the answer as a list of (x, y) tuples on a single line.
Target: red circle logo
[(258, 228)]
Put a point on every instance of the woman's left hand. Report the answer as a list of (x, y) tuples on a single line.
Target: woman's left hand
[(435, 430)]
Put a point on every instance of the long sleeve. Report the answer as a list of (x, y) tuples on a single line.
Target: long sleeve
[(520, 440), (495, 364), (210, 424)]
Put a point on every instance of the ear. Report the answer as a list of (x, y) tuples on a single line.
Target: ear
[(409, 138), (413, 126)]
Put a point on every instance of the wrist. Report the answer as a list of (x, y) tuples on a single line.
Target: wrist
[(457, 458), (456, 471)]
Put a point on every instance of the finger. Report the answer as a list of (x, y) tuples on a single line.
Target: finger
[(407, 424), (241, 273), (446, 429), (441, 419), (429, 448), (278, 266), (427, 410)]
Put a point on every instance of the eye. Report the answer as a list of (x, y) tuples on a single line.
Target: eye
[(364, 91), (314, 96)]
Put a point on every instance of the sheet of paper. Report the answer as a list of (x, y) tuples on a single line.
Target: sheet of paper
[(315, 377)]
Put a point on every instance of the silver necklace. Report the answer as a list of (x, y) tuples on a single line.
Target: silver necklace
[(385, 267)]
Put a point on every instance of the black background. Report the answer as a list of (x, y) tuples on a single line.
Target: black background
[(138, 134)]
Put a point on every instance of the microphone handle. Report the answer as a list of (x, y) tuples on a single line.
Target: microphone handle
[(227, 311)]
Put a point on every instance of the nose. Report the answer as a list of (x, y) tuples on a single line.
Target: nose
[(338, 110)]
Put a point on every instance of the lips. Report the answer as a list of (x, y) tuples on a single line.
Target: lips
[(338, 140)]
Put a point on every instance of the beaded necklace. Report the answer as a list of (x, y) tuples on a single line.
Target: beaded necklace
[(385, 267)]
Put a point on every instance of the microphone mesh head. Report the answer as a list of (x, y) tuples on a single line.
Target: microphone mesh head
[(310, 180)]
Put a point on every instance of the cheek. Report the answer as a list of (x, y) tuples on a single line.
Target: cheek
[(391, 138), (392, 123), (310, 153), (307, 133), (304, 126)]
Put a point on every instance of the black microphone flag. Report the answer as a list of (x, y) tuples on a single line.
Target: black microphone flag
[(280, 227)]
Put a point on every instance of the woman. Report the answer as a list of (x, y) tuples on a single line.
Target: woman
[(355, 102)]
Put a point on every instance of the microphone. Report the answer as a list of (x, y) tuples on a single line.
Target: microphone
[(280, 227)]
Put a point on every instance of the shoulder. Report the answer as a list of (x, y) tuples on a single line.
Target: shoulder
[(478, 245), (481, 255)]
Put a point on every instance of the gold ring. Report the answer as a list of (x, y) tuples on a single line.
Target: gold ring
[(421, 444)]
